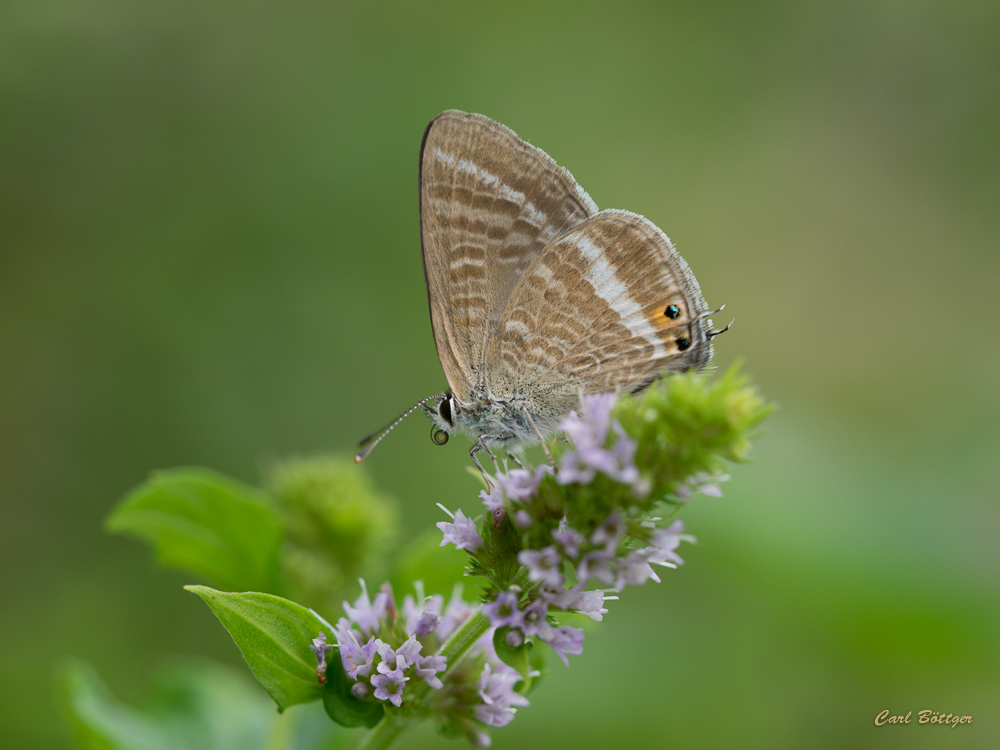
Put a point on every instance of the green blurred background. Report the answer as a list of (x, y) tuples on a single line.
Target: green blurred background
[(211, 256)]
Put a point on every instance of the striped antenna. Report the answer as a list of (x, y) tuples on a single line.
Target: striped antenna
[(376, 437)]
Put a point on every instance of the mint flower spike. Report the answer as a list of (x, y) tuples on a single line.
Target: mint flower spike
[(552, 542), (404, 665)]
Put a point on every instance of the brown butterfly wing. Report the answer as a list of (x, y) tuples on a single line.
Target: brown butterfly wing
[(593, 312), (489, 204)]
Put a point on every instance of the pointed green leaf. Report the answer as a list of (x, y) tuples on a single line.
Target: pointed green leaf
[(195, 705), (273, 634), (207, 524), (515, 657)]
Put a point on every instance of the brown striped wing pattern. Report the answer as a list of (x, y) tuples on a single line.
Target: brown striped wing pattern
[(609, 305), (489, 204)]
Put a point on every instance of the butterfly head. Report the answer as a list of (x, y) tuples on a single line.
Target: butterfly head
[(440, 434), (442, 415)]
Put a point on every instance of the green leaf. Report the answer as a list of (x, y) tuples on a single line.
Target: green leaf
[(206, 524), (273, 634), (342, 706), (516, 657), (196, 705)]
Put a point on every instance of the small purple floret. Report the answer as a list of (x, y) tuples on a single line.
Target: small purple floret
[(357, 659), (365, 613), (320, 647), (566, 640), (503, 611), (428, 667), (390, 686), (461, 532), (542, 565)]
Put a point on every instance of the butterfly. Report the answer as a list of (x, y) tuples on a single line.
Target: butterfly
[(537, 297)]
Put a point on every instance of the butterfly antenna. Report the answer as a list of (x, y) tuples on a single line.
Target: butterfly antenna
[(376, 437)]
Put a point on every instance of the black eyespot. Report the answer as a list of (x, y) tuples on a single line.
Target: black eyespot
[(440, 437), (672, 312), (444, 409), (683, 344)]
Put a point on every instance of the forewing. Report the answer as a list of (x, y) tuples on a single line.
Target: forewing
[(593, 313), (489, 203)]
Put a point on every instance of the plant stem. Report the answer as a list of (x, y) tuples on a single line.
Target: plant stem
[(382, 735), (281, 731)]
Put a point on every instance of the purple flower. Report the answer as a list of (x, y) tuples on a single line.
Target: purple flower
[(360, 690), (428, 667), (398, 659), (462, 532), (591, 604), (635, 569), (590, 433), (703, 483), (521, 484), (569, 539), (559, 597), (665, 541), (423, 620), (542, 565), (597, 565), (493, 500), (503, 610), (496, 688), (366, 614), (523, 519), (478, 737), (591, 428), (609, 533), (409, 652), (426, 624), (320, 647), (566, 640), (514, 638), (357, 659), (533, 620), (390, 686), (343, 630)]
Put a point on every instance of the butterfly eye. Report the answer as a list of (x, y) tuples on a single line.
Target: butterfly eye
[(444, 410), (440, 437), (672, 312), (683, 344)]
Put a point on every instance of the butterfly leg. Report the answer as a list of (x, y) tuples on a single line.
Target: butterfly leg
[(516, 460), (482, 445)]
